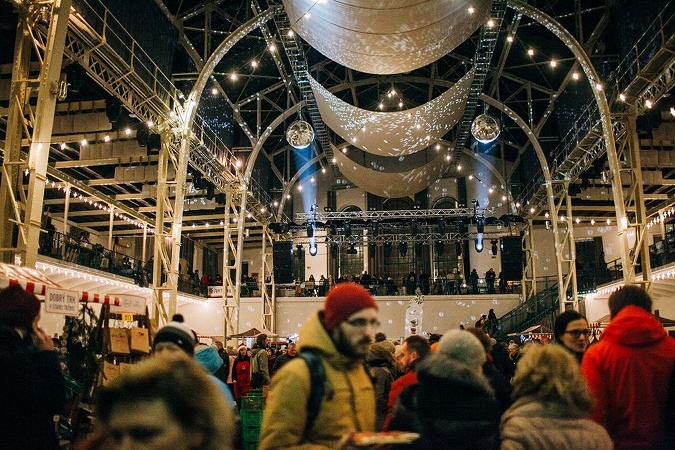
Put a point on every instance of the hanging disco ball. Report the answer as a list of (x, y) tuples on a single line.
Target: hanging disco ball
[(485, 128), (300, 134)]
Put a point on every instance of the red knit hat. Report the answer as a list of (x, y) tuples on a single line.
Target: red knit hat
[(343, 300)]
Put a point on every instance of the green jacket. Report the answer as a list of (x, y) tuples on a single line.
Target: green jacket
[(259, 364), (348, 403)]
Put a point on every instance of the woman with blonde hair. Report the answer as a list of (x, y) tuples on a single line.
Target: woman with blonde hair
[(551, 405), (162, 404)]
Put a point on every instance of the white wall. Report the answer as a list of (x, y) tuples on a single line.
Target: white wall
[(441, 313)]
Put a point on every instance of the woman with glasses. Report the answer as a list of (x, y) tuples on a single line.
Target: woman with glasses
[(572, 332)]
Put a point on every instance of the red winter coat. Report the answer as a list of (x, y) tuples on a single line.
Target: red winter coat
[(407, 379), (628, 371), (241, 376)]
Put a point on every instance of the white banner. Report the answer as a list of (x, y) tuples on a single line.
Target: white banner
[(61, 301), (129, 303)]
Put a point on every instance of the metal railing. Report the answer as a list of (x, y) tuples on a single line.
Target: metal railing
[(583, 143), (81, 252), (531, 312)]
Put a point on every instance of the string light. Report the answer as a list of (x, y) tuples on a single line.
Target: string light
[(95, 204)]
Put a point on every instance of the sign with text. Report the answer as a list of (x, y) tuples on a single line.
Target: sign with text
[(217, 292), (61, 301), (128, 304)]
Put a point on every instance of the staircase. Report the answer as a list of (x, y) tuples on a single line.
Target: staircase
[(541, 309)]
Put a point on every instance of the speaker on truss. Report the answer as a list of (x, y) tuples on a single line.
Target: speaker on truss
[(142, 135), (511, 249), (154, 143), (282, 261)]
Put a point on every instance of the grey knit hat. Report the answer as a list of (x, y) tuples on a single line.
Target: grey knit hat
[(463, 347)]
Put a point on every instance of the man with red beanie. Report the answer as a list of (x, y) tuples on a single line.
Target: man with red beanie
[(339, 335)]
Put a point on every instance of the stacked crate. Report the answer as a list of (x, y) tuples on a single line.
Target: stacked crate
[(251, 412)]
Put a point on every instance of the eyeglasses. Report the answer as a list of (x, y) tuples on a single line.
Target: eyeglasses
[(577, 333), (363, 323)]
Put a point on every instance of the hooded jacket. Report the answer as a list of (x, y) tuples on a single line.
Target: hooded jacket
[(628, 372), (451, 407), (210, 360), (348, 404), (532, 424), (382, 371)]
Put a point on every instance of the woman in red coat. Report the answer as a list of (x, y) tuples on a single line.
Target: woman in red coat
[(241, 374)]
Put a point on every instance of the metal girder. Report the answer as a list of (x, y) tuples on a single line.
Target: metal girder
[(11, 181), (425, 238), (565, 249), (27, 206), (634, 199), (399, 214), (530, 266), (585, 142), (604, 121), (268, 292)]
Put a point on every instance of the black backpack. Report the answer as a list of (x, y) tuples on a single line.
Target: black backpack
[(317, 377)]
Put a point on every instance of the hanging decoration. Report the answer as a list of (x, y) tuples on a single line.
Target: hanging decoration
[(414, 314)]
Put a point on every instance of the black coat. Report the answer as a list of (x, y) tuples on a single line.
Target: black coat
[(451, 407), (32, 391)]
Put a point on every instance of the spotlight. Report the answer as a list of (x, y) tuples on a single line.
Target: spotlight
[(352, 249), (439, 247), (493, 244), (310, 230), (387, 249), (458, 248), (402, 248), (312, 248), (299, 250), (478, 245)]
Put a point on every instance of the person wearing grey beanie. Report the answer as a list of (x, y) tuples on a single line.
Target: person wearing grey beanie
[(452, 405)]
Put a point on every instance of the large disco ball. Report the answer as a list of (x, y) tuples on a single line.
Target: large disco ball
[(300, 134), (485, 128)]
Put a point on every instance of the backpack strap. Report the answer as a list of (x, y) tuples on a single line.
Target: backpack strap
[(317, 378)]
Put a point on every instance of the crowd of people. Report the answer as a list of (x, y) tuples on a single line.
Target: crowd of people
[(460, 390)]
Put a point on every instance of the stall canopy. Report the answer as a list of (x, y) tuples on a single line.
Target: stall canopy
[(535, 329), (36, 282), (253, 332)]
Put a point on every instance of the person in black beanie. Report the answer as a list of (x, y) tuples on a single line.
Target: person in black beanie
[(32, 388)]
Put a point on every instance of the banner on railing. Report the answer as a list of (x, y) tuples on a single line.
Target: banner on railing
[(217, 292)]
